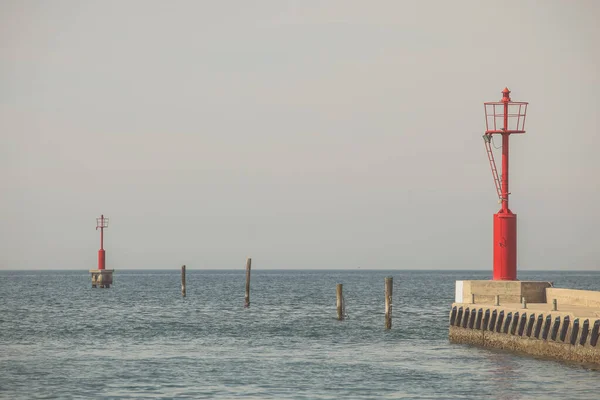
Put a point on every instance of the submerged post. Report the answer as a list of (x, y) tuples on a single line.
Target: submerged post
[(340, 301), (183, 280), (247, 297), (389, 284)]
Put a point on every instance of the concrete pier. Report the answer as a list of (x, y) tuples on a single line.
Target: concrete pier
[(485, 292), (102, 278), (570, 333)]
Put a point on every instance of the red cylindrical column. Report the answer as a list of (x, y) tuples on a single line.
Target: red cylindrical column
[(101, 259), (505, 148), (505, 193), (505, 246), (512, 115), (505, 222), (101, 223)]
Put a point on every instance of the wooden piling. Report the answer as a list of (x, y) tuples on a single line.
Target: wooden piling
[(554, 305), (183, 280), (247, 297), (497, 300), (340, 301), (389, 285)]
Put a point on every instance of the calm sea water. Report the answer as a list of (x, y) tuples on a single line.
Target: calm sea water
[(140, 339)]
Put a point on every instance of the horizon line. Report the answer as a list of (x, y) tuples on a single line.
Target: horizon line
[(302, 269)]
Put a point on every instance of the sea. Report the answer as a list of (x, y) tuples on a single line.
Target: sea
[(140, 339)]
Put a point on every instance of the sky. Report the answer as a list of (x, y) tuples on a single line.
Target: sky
[(303, 134)]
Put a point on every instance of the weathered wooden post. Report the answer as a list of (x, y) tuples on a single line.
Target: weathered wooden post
[(247, 297), (183, 280), (389, 284), (523, 302), (497, 300), (554, 305), (340, 301)]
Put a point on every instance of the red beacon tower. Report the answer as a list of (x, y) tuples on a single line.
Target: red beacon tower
[(101, 277), (101, 223), (504, 118)]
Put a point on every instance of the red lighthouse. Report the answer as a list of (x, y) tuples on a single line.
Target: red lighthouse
[(504, 118), (101, 223), (101, 277)]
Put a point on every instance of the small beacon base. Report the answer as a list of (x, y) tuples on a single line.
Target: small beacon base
[(102, 278)]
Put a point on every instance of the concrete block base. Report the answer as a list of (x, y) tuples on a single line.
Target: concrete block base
[(102, 278), (531, 346), (508, 291), (569, 334)]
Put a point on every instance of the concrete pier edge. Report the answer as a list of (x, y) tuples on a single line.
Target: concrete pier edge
[(570, 333)]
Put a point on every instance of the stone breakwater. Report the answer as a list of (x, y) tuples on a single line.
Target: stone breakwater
[(570, 335)]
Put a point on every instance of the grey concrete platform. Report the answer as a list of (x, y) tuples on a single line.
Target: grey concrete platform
[(569, 333)]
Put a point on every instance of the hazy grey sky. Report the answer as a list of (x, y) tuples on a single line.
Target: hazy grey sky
[(306, 134)]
